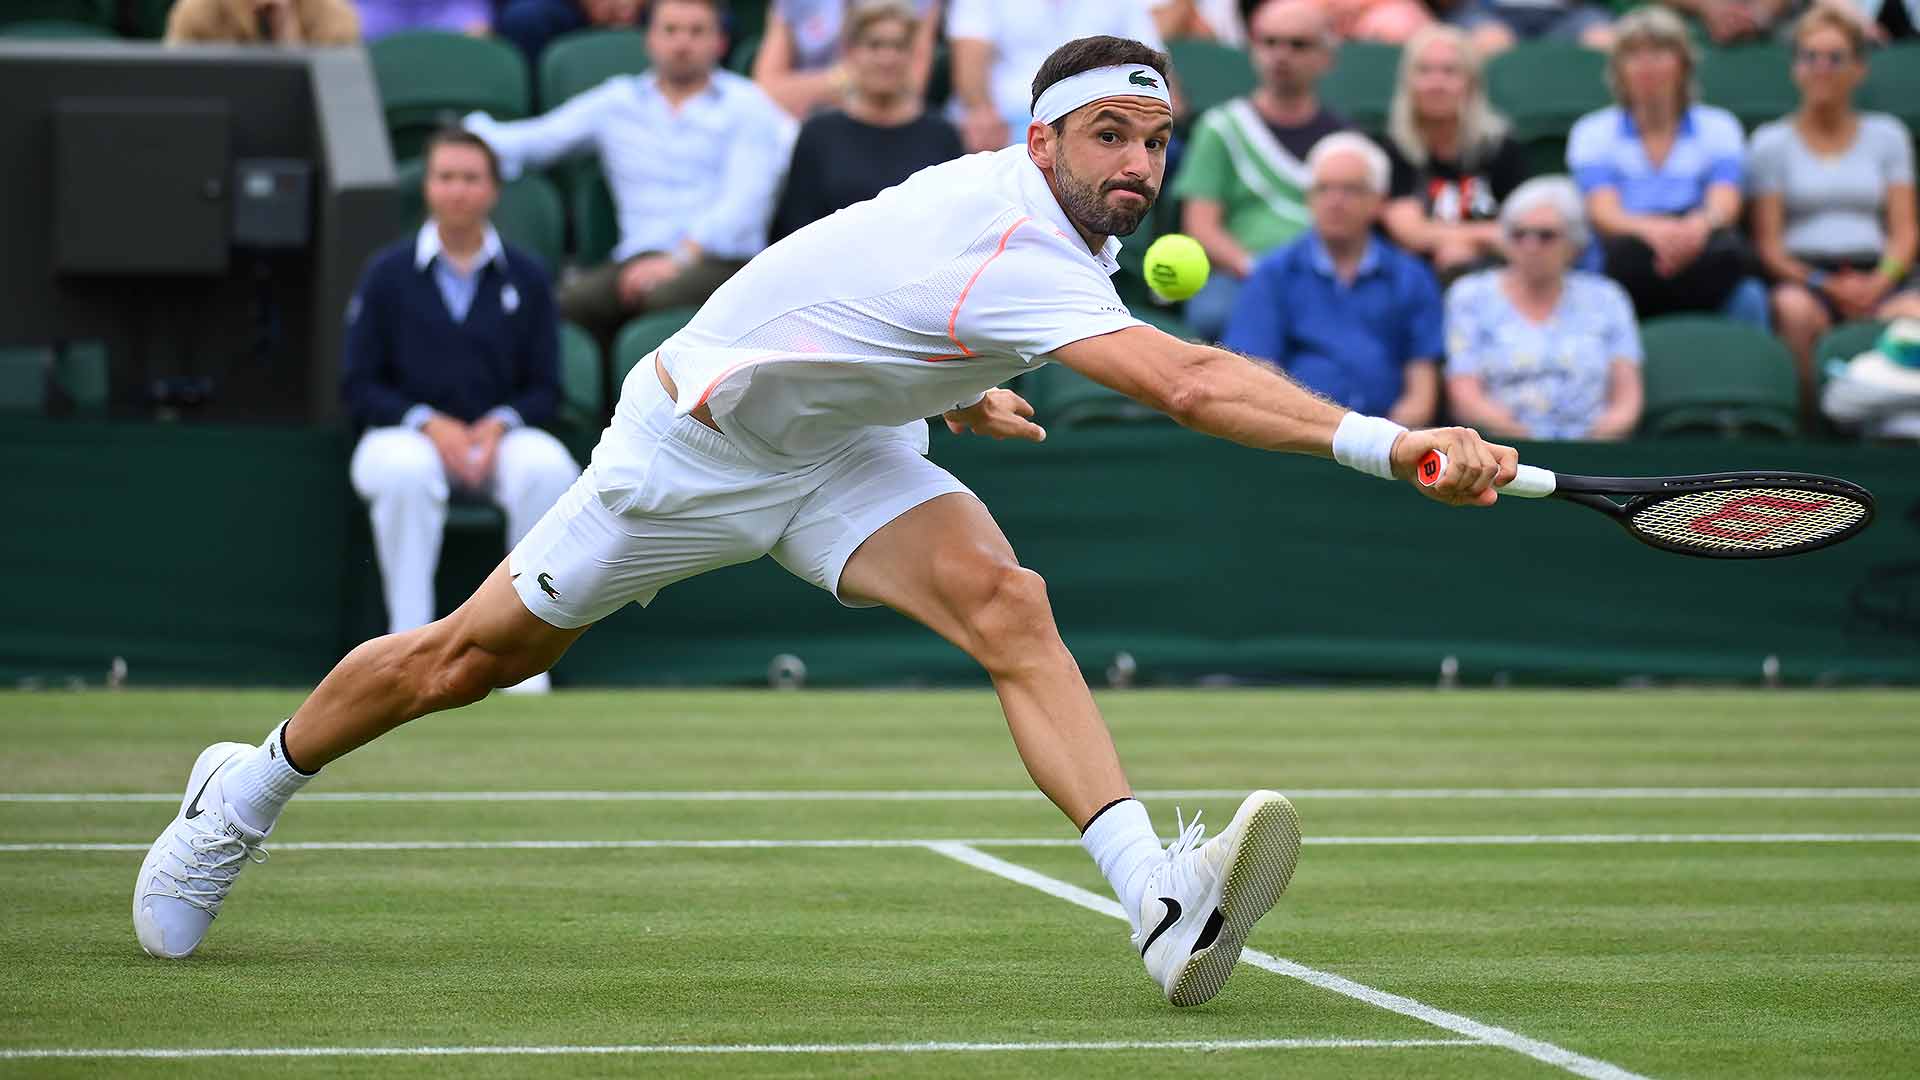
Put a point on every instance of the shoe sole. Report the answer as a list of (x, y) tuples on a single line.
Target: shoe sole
[(1261, 868), (204, 766)]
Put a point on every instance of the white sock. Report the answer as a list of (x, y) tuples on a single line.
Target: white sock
[(1124, 846), (262, 780)]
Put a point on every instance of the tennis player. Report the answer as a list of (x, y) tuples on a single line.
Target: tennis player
[(788, 419)]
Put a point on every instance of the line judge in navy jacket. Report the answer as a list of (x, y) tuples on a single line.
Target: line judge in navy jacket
[(451, 356)]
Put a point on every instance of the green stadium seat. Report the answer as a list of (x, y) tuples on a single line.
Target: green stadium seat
[(1361, 83), (23, 379), (147, 18), (741, 57), (1893, 83), (1753, 82), (39, 380), (55, 29), (578, 62), (583, 393), (1706, 374), (97, 12), (1545, 86), (529, 215), (596, 224), (645, 334), (429, 79), (1210, 73)]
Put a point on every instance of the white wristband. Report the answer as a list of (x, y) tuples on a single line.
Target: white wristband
[(1366, 443)]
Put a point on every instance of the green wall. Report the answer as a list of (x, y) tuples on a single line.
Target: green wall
[(238, 556)]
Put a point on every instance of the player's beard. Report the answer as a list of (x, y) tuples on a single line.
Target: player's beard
[(1087, 203)]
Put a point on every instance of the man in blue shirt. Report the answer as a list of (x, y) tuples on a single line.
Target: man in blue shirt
[(693, 156), (1342, 311), (451, 354)]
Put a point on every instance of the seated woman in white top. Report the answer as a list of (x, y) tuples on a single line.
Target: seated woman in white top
[(1536, 350), (1833, 210)]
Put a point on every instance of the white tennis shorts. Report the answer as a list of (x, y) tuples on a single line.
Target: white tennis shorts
[(692, 502)]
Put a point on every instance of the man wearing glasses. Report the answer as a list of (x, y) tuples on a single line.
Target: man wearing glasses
[(1345, 313), (1244, 178)]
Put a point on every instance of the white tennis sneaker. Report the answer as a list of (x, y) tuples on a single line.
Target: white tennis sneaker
[(1203, 899), (192, 865)]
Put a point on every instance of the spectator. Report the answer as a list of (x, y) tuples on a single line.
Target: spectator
[(1343, 311), (1538, 350), (1222, 21), (1667, 229), (801, 65), (378, 18), (1390, 22), (1887, 20), (1453, 163), (258, 22), (530, 24), (1497, 25), (884, 134), (999, 44), (451, 354), (692, 154), (1242, 181), (1727, 22), (1833, 210)]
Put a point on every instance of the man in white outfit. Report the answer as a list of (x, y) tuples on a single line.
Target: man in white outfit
[(450, 356), (787, 419)]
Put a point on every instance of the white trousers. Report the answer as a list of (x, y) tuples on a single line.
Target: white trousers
[(400, 474)]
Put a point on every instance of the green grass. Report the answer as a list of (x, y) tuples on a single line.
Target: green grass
[(1698, 959)]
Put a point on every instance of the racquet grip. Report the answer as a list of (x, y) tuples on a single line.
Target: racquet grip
[(1529, 483)]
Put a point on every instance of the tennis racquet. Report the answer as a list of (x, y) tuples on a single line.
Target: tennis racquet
[(1729, 515)]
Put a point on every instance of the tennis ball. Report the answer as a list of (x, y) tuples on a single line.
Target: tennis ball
[(1176, 266)]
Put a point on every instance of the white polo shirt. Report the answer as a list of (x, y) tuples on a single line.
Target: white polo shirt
[(894, 310)]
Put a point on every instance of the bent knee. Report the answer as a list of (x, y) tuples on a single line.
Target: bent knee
[(1011, 621)]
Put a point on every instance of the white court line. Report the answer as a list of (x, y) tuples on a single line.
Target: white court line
[(1536, 840), (738, 1048), (1008, 795), (1557, 1056)]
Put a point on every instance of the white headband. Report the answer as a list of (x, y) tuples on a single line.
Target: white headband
[(1123, 80)]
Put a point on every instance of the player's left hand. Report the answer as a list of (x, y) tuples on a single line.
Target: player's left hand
[(1002, 414), (1474, 466)]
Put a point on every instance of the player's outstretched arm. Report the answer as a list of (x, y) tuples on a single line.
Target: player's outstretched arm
[(1228, 396)]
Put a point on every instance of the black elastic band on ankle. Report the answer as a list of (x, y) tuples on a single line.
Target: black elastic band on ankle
[(1090, 821), (286, 757)]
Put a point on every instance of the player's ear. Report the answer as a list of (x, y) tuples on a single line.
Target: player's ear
[(1042, 144)]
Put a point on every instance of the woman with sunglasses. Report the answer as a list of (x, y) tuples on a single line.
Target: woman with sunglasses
[(1538, 350), (1833, 209)]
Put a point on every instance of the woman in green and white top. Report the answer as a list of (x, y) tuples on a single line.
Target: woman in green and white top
[(1833, 206)]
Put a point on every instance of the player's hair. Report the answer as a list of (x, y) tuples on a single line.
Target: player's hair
[(1379, 169), (864, 13), (1557, 192), (1087, 53), (453, 136), (1652, 27)]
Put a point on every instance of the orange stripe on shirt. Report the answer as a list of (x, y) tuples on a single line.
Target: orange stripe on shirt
[(953, 320)]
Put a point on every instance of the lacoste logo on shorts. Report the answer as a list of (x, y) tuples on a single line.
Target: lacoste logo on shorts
[(545, 581)]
